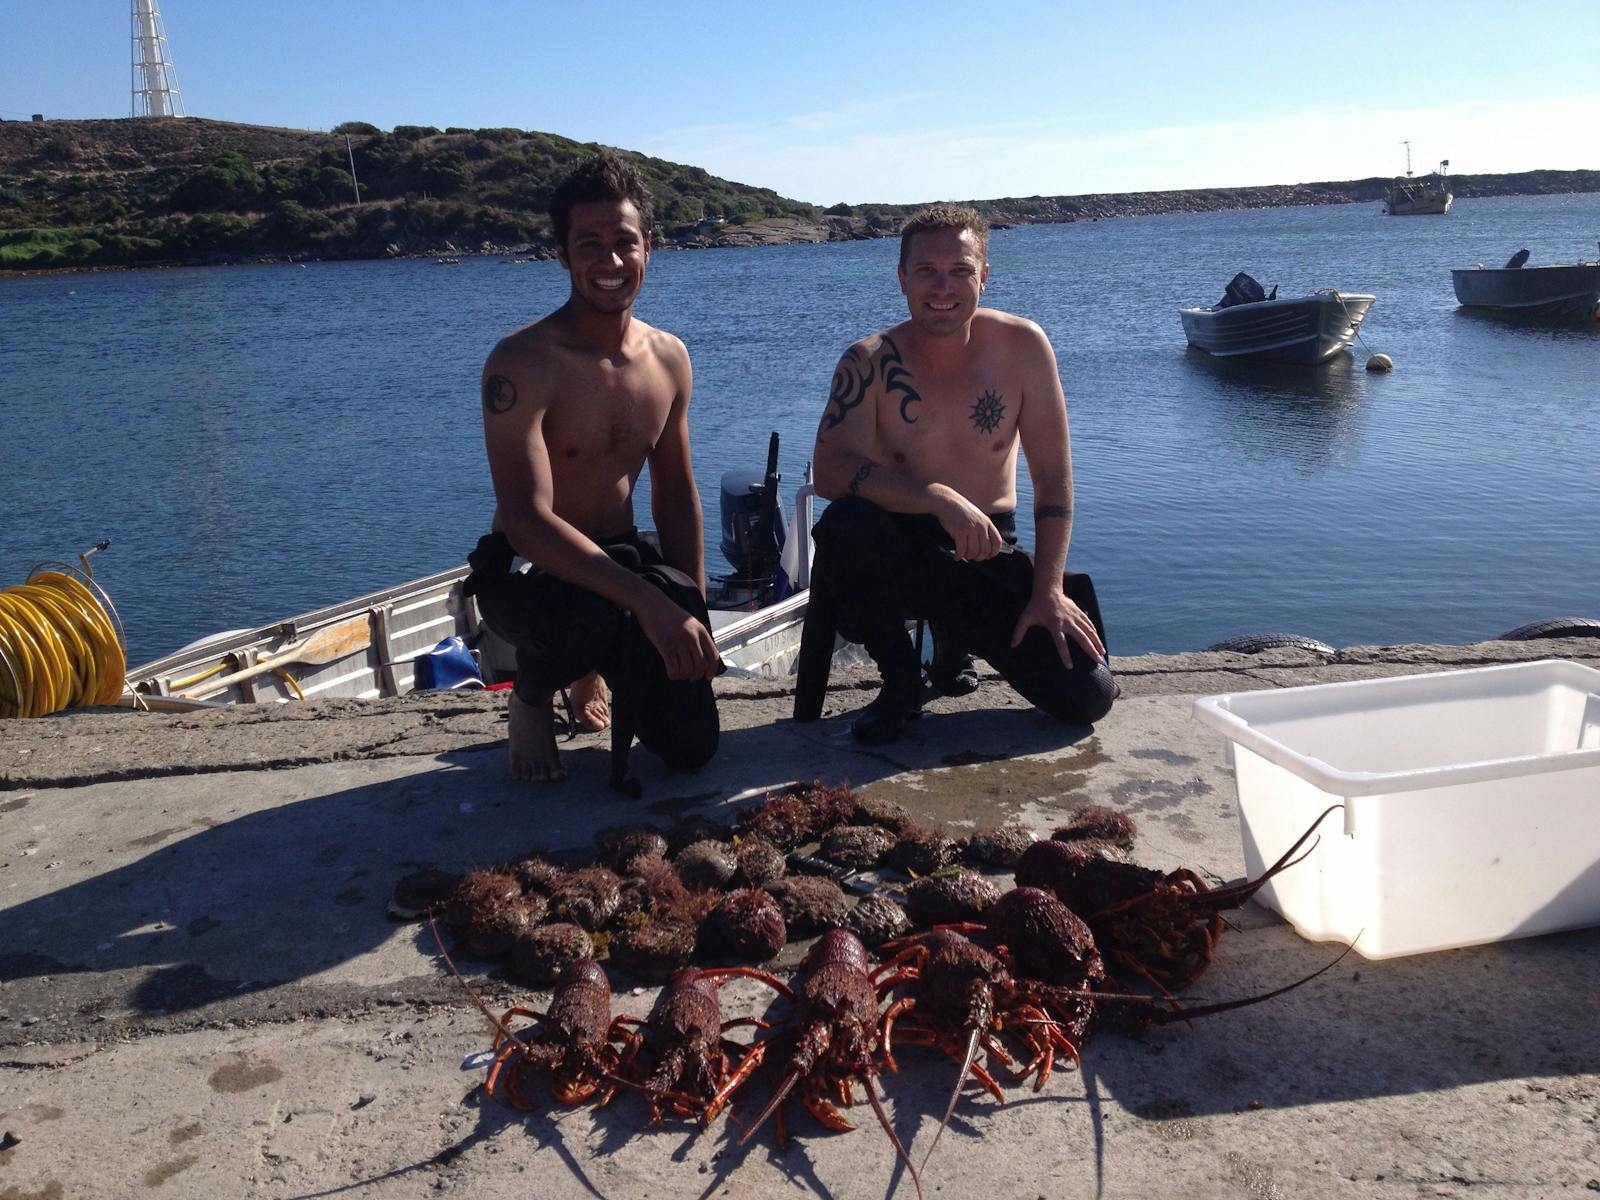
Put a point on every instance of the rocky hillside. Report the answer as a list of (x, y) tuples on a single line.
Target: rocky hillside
[(87, 193), (131, 192)]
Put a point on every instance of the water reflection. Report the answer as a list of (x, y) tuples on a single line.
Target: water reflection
[(1302, 411), (1532, 326)]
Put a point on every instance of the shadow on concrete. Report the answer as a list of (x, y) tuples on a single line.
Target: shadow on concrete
[(219, 907)]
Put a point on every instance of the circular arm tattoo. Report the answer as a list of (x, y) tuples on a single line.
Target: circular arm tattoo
[(499, 394)]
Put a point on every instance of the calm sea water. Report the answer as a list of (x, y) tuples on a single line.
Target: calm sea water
[(259, 441)]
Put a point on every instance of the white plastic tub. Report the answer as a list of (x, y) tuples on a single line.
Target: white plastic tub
[(1471, 803)]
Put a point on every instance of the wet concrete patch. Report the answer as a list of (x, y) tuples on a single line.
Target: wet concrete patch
[(243, 1075), (989, 791), (1170, 757), (153, 839), (15, 805), (46, 1112), (186, 1133), (156, 1176), (1155, 795)]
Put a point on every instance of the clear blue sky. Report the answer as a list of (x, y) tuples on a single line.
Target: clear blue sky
[(888, 101)]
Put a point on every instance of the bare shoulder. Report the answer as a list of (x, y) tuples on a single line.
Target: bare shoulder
[(667, 348), (517, 368), (1007, 329)]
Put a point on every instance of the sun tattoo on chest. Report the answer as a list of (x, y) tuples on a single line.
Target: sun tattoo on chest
[(987, 412)]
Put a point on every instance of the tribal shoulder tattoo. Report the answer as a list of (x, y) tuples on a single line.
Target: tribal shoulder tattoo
[(896, 378), (851, 379), (499, 394)]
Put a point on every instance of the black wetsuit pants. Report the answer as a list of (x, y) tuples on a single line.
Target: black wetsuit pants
[(881, 569), (562, 632)]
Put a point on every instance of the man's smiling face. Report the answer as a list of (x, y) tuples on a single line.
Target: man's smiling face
[(606, 253), (942, 278)]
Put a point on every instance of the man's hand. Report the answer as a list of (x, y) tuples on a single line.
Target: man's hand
[(1061, 619), (684, 644), (969, 528)]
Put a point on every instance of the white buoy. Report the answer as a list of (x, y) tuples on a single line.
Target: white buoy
[(1380, 362)]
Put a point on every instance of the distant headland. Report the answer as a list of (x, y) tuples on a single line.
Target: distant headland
[(179, 191)]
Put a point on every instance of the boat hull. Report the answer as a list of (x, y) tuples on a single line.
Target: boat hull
[(1569, 291), (1306, 330), (1418, 199), (404, 623)]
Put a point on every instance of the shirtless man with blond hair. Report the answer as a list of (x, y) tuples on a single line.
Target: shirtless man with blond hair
[(917, 452), (574, 406)]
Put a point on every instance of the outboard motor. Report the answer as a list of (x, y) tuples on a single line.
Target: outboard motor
[(1242, 289), (753, 530)]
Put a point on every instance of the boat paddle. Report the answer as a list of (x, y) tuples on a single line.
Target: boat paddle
[(323, 646)]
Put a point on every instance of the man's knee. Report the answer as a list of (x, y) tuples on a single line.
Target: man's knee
[(1084, 696), (687, 737)]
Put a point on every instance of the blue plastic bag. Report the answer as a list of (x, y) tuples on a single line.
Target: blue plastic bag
[(448, 665)]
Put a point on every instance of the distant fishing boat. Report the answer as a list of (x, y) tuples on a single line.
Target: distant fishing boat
[(1249, 323), (1429, 195), (1560, 291)]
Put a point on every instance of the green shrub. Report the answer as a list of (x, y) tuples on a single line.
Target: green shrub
[(411, 133), (357, 127), (230, 182)]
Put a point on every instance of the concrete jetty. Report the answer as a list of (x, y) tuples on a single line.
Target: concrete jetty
[(201, 994)]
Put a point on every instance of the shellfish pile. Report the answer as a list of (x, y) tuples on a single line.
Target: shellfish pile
[(970, 959)]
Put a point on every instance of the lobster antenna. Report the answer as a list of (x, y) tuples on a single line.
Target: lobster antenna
[(498, 1025), (955, 1092), (899, 1146), (778, 1097)]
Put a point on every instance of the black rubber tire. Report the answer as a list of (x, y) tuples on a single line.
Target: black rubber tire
[(1553, 627), (1255, 643)]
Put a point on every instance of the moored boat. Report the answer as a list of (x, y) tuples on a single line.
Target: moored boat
[(1248, 323), (1558, 292), (1411, 196)]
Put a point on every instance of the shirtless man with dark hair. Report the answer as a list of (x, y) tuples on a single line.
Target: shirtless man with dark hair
[(917, 451), (574, 406)]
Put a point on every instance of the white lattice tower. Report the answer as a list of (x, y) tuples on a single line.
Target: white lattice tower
[(155, 79)]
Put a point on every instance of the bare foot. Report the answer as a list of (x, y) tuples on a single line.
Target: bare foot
[(531, 742), (591, 700)]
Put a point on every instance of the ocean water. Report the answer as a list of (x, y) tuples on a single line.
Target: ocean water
[(259, 441)]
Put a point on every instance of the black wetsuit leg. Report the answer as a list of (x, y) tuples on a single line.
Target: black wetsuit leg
[(986, 599), (884, 568), (674, 719), (871, 572), (562, 632)]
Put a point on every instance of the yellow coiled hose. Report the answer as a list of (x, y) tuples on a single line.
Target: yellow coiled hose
[(59, 647)]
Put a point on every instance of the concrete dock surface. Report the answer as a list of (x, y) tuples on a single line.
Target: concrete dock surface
[(201, 994)]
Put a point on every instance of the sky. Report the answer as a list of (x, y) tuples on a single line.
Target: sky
[(890, 102)]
